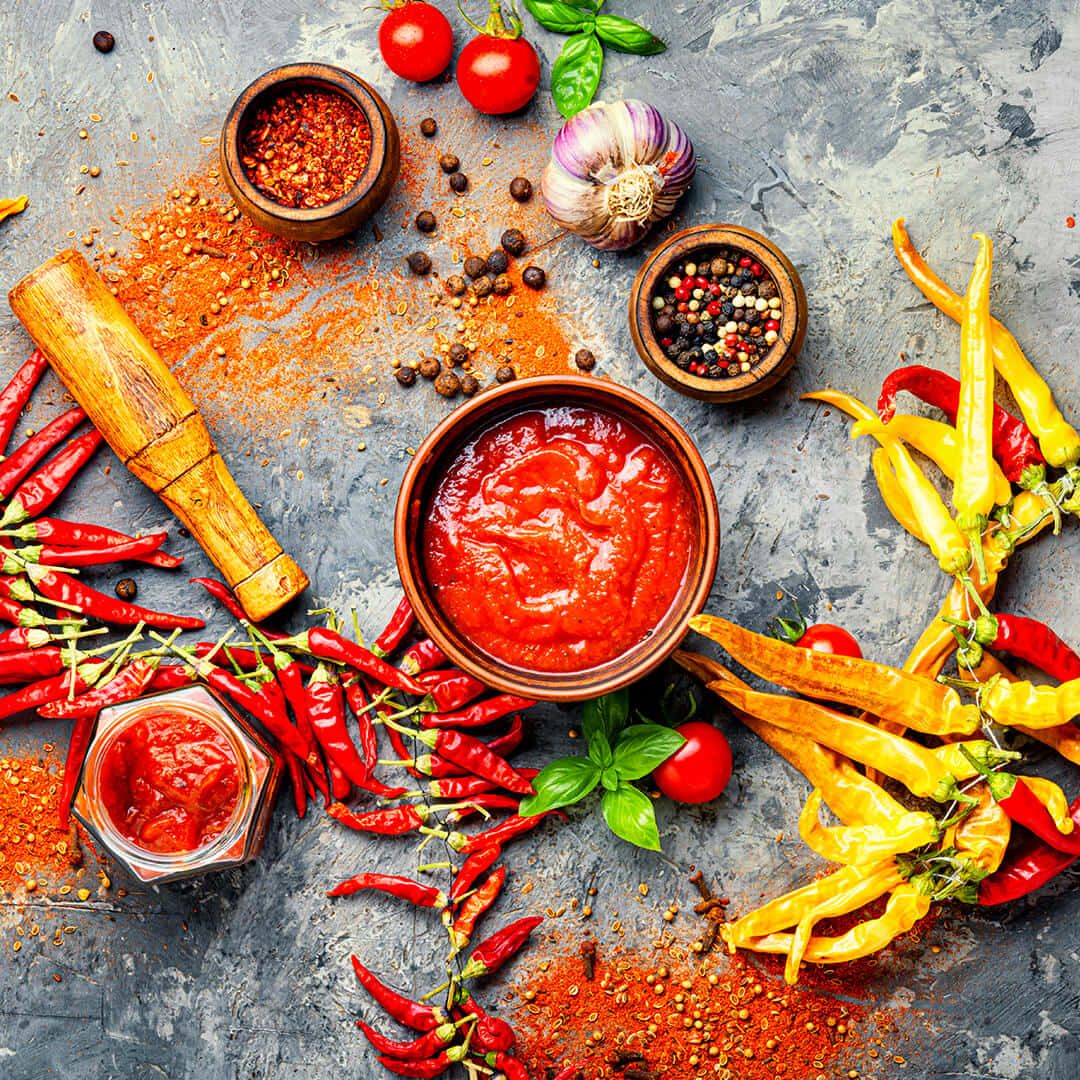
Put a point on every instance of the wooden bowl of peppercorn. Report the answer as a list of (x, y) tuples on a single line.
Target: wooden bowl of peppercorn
[(309, 152), (728, 330)]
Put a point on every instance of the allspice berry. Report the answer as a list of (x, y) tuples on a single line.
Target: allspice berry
[(482, 286), (419, 263), (405, 375), (430, 367), (126, 588), (474, 266), (457, 354), (449, 163), (455, 285), (470, 385), (585, 359), (520, 189), (459, 182), (428, 127), (513, 241), (425, 221), (534, 277), (497, 262), (505, 373), (104, 41), (447, 384), (502, 285)]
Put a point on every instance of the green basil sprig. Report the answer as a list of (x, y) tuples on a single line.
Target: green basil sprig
[(617, 754), (576, 72)]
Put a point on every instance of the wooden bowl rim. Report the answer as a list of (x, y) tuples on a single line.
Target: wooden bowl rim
[(277, 80), (777, 362), (466, 422)]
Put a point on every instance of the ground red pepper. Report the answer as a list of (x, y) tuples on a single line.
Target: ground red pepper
[(306, 148)]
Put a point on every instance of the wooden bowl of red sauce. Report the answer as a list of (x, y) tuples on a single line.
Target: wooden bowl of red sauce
[(309, 152), (555, 536)]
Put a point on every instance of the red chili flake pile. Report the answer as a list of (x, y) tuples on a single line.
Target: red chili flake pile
[(306, 148)]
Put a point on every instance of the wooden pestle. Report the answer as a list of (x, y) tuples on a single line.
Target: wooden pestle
[(116, 375)]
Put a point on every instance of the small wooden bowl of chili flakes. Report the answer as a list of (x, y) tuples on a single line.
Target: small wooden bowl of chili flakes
[(718, 313), (309, 152)]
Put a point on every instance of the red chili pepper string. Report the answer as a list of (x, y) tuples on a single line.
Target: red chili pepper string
[(492, 953), (479, 715), (423, 656), (399, 625), (472, 868), (15, 468), (37, 493), (62, 588), (399, 887)]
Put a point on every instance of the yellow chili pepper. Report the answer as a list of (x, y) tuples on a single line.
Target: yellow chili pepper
[(853, 798), (928, 773), (1057, 439), (1053, 798), (982, 835), (883, 691), (946, 541), (853, 846), (1023, 704), (893, 494), (906, 906), (10, 207)]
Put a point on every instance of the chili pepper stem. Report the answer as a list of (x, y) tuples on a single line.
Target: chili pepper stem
[(974, 594), (435, 866)]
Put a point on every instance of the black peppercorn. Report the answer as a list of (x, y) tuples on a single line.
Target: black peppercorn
[(482, 286), (457, 354), (455, 285), (428, 127), (425, 221), (513, 241), (430, 367), (449, 163), (126, 587), (405, 375), (104, 41), (502, 285), (470, 385), (459, 182), (183, 532), (505, 373), (474, 266), (520, 189), (534, 277), (498, 262), (585, 359), (447, 384), (419, 263)]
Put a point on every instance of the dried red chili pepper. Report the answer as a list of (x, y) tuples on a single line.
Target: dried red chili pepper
[(1014, 446), (502, 946), (330, 645), (222, 593), (126, 685), (51, 555), (423, 656), (395, 821), (423, 1070), (17, 393), (340, 788), (403, 888), (500, 834), (479, 715), (399, 625), (451, 689), (493, 1034), (396, 1006), (466, 787), (425, 1046), (475, 906), (296, 779), (1029, 640), (173, 677), (472, 868), (14, 468), (62, 588), (37, 493), (509, 1066), (358, 703), (490, 800), (326, 713), (77, 534)]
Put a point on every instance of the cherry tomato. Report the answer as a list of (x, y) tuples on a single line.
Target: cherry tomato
[(826, 638), (416, 41), (700, 769), (498, 74)]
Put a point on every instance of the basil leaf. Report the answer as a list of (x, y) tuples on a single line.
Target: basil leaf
[(600, 750), (606, 714), (610, 779), (560, 18), (575, 74), (625, 35), (644, 746), (560, 783), (629, 814)]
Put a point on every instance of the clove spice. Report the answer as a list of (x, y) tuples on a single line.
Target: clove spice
[(588, 957)]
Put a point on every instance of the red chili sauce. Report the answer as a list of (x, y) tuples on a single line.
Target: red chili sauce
[(559, 538), (170, 782)]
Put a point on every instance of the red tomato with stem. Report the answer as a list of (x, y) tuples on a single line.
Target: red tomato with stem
[(416, 41), (827, 638), (498, 71), (700, 769)]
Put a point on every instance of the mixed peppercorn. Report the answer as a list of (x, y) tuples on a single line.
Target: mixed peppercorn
[(717, 313)]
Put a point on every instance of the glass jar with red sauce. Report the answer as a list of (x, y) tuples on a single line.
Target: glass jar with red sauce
[(177, 784)]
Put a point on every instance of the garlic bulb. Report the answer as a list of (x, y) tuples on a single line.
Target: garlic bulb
[(615, 171)]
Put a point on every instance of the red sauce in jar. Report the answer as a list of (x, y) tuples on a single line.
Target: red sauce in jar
[(559, 538), (170, 782)]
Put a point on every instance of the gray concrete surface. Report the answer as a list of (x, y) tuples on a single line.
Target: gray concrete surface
[(815, 123)]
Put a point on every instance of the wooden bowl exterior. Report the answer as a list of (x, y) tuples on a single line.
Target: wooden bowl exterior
[(776, 363), (441, 447), (342, 216)]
